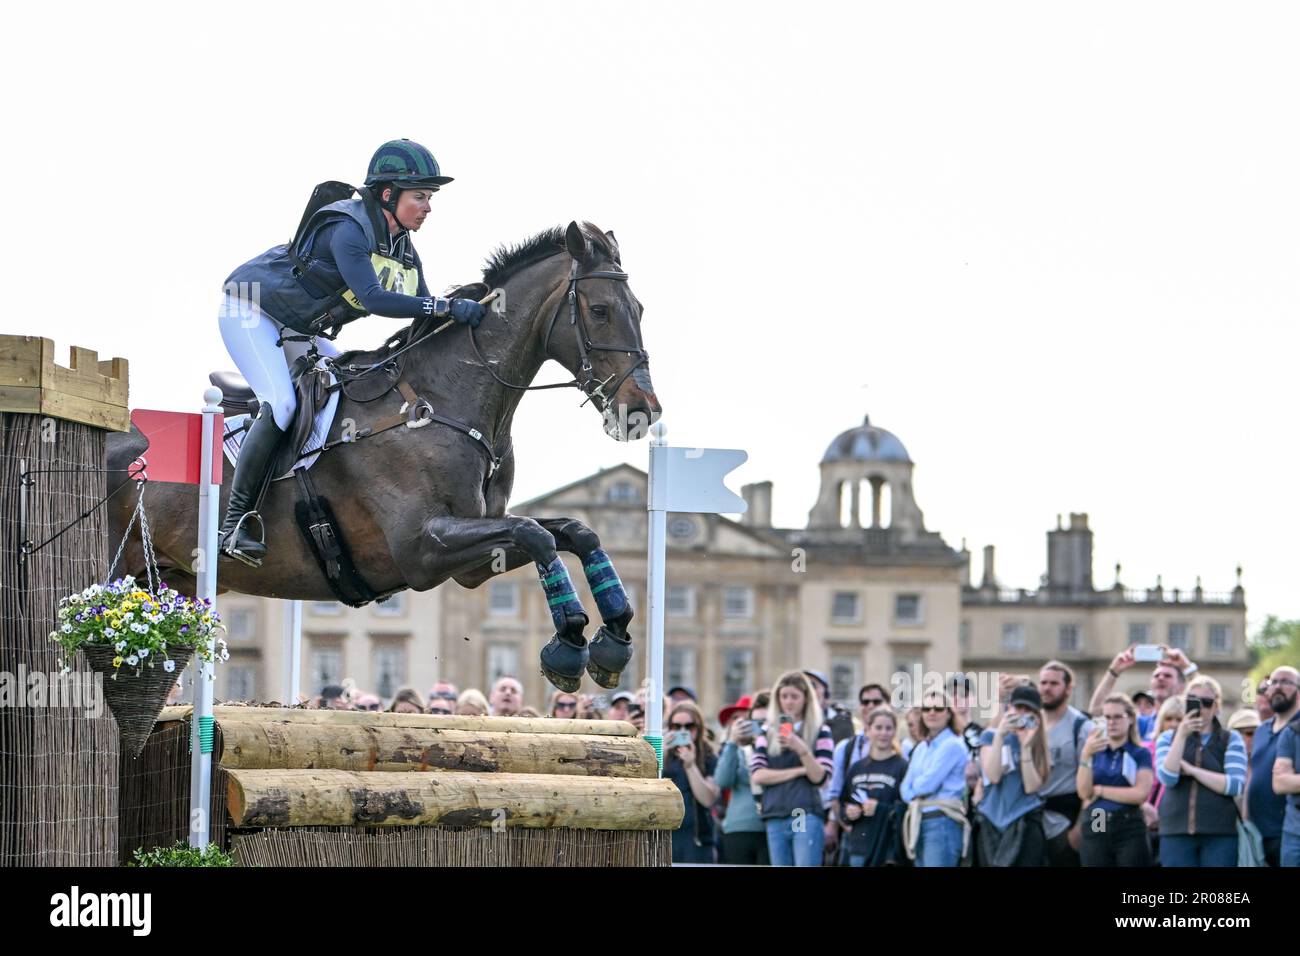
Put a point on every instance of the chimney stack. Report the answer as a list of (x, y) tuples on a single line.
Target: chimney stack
[(759, 498), (990, 575), (1069, 555)]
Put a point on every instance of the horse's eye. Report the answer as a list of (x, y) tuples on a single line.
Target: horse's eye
[(599, 312)]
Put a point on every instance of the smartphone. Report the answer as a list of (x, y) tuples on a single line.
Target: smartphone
[(751, 728), (1148, 653), (678, 738), (1193, 706), (787, 725)]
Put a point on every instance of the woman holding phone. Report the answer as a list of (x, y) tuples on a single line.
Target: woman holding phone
[(1114, 780), (1014, 764), (792, 759), (1203, 768), (744, 837), (689, 762), (870, 796)]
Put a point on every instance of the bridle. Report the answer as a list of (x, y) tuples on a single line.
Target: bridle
[(586, 377)]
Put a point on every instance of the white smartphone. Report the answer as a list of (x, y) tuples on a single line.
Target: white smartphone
[(1148, 653)]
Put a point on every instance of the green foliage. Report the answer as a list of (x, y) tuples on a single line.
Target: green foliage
[(1275, 644), (182, 854)]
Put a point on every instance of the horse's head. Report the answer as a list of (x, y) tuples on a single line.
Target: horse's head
[(596, 335)]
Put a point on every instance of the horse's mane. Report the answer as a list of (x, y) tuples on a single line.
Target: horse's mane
[(506, 260)]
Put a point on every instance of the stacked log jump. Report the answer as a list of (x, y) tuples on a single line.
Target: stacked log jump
[(338, 787)]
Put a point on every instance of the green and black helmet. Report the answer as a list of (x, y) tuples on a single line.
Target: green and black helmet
[(406, 165)]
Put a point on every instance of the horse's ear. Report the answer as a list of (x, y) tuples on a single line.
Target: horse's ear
[(578, 245), (613, 244)]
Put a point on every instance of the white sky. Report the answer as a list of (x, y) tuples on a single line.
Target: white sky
[(1055, 243)]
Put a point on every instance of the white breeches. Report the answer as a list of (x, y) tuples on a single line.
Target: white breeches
[(250, 335)]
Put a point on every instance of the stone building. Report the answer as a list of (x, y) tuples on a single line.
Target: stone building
[(1070, 619), (862, 592)]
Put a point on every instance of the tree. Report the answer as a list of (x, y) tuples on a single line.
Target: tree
[(1275, 644)]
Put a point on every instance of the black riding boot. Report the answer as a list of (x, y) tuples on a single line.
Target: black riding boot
[(256, 456)]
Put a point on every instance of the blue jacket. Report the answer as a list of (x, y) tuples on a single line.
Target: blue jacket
[(344, 266)]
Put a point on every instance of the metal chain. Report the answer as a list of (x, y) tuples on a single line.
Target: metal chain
[(151, 563)]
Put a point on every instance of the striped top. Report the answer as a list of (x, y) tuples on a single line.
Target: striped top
[(1234, 761), (824, 750)]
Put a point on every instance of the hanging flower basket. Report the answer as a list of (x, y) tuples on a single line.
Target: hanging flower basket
[(139, 640)]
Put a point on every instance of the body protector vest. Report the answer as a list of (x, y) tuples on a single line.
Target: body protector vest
[(303, 290)]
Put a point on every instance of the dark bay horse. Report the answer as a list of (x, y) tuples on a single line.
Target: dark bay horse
[(420, 505)]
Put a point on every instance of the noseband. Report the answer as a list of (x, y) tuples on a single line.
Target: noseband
[(585, 379)]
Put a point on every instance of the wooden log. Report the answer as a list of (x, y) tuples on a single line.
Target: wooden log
[(288, 798), (366, 718), (267, 745)]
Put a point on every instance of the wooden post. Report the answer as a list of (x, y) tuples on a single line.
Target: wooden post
[(58, 752)]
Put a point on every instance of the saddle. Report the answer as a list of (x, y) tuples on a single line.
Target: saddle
[(312, 392)]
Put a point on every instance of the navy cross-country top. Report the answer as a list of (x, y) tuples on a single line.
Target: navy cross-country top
[(342, 245)]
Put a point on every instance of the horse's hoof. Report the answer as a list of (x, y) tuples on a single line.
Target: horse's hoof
[(564, 660), (608, 658)]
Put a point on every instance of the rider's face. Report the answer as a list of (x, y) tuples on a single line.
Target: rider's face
[(413, 208)]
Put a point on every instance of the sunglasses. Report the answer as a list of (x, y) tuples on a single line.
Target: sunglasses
[(439, 710), (933, 710), (1205, 702), (569, 705), (872, 702), (690, 726)]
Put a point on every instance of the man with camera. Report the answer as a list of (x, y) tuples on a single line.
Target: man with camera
[(1171, 672)]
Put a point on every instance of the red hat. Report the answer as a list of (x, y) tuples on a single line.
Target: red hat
[(727, 713)]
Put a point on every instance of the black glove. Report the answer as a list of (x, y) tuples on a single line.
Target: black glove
[(467, 312)]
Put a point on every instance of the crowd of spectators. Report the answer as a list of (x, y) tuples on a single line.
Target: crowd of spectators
[(788, 777)]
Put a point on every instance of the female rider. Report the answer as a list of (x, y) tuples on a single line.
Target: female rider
[(350, 258)]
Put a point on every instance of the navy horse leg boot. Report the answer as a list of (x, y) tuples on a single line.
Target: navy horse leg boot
[(256, 456), (611, 648), (564, 658)]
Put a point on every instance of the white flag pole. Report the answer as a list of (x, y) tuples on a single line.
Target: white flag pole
[(201, 725), (656, 501), (292, 652)]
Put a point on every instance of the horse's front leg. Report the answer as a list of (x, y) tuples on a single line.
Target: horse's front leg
[(611, 648), (455, 547)]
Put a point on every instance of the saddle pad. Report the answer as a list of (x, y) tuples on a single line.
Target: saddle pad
[(320, 430)]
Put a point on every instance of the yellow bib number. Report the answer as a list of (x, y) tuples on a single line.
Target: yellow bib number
[(392, 278)]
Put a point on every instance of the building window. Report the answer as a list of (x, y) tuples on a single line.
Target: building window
[(1220, 638), (679, 667), (738, 602), (1180, 636), (326, 666), (1068, 638), (503, 599), (679, 600), (1013, 638), (389, 661), (1139, 633), (907, 608), (325, 608), (963, 638), (239, 683), (502, 661), (846, 608), (737, 673), (846, 676), (907, 674), (623, 492), (392, 606), (241, 624)]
